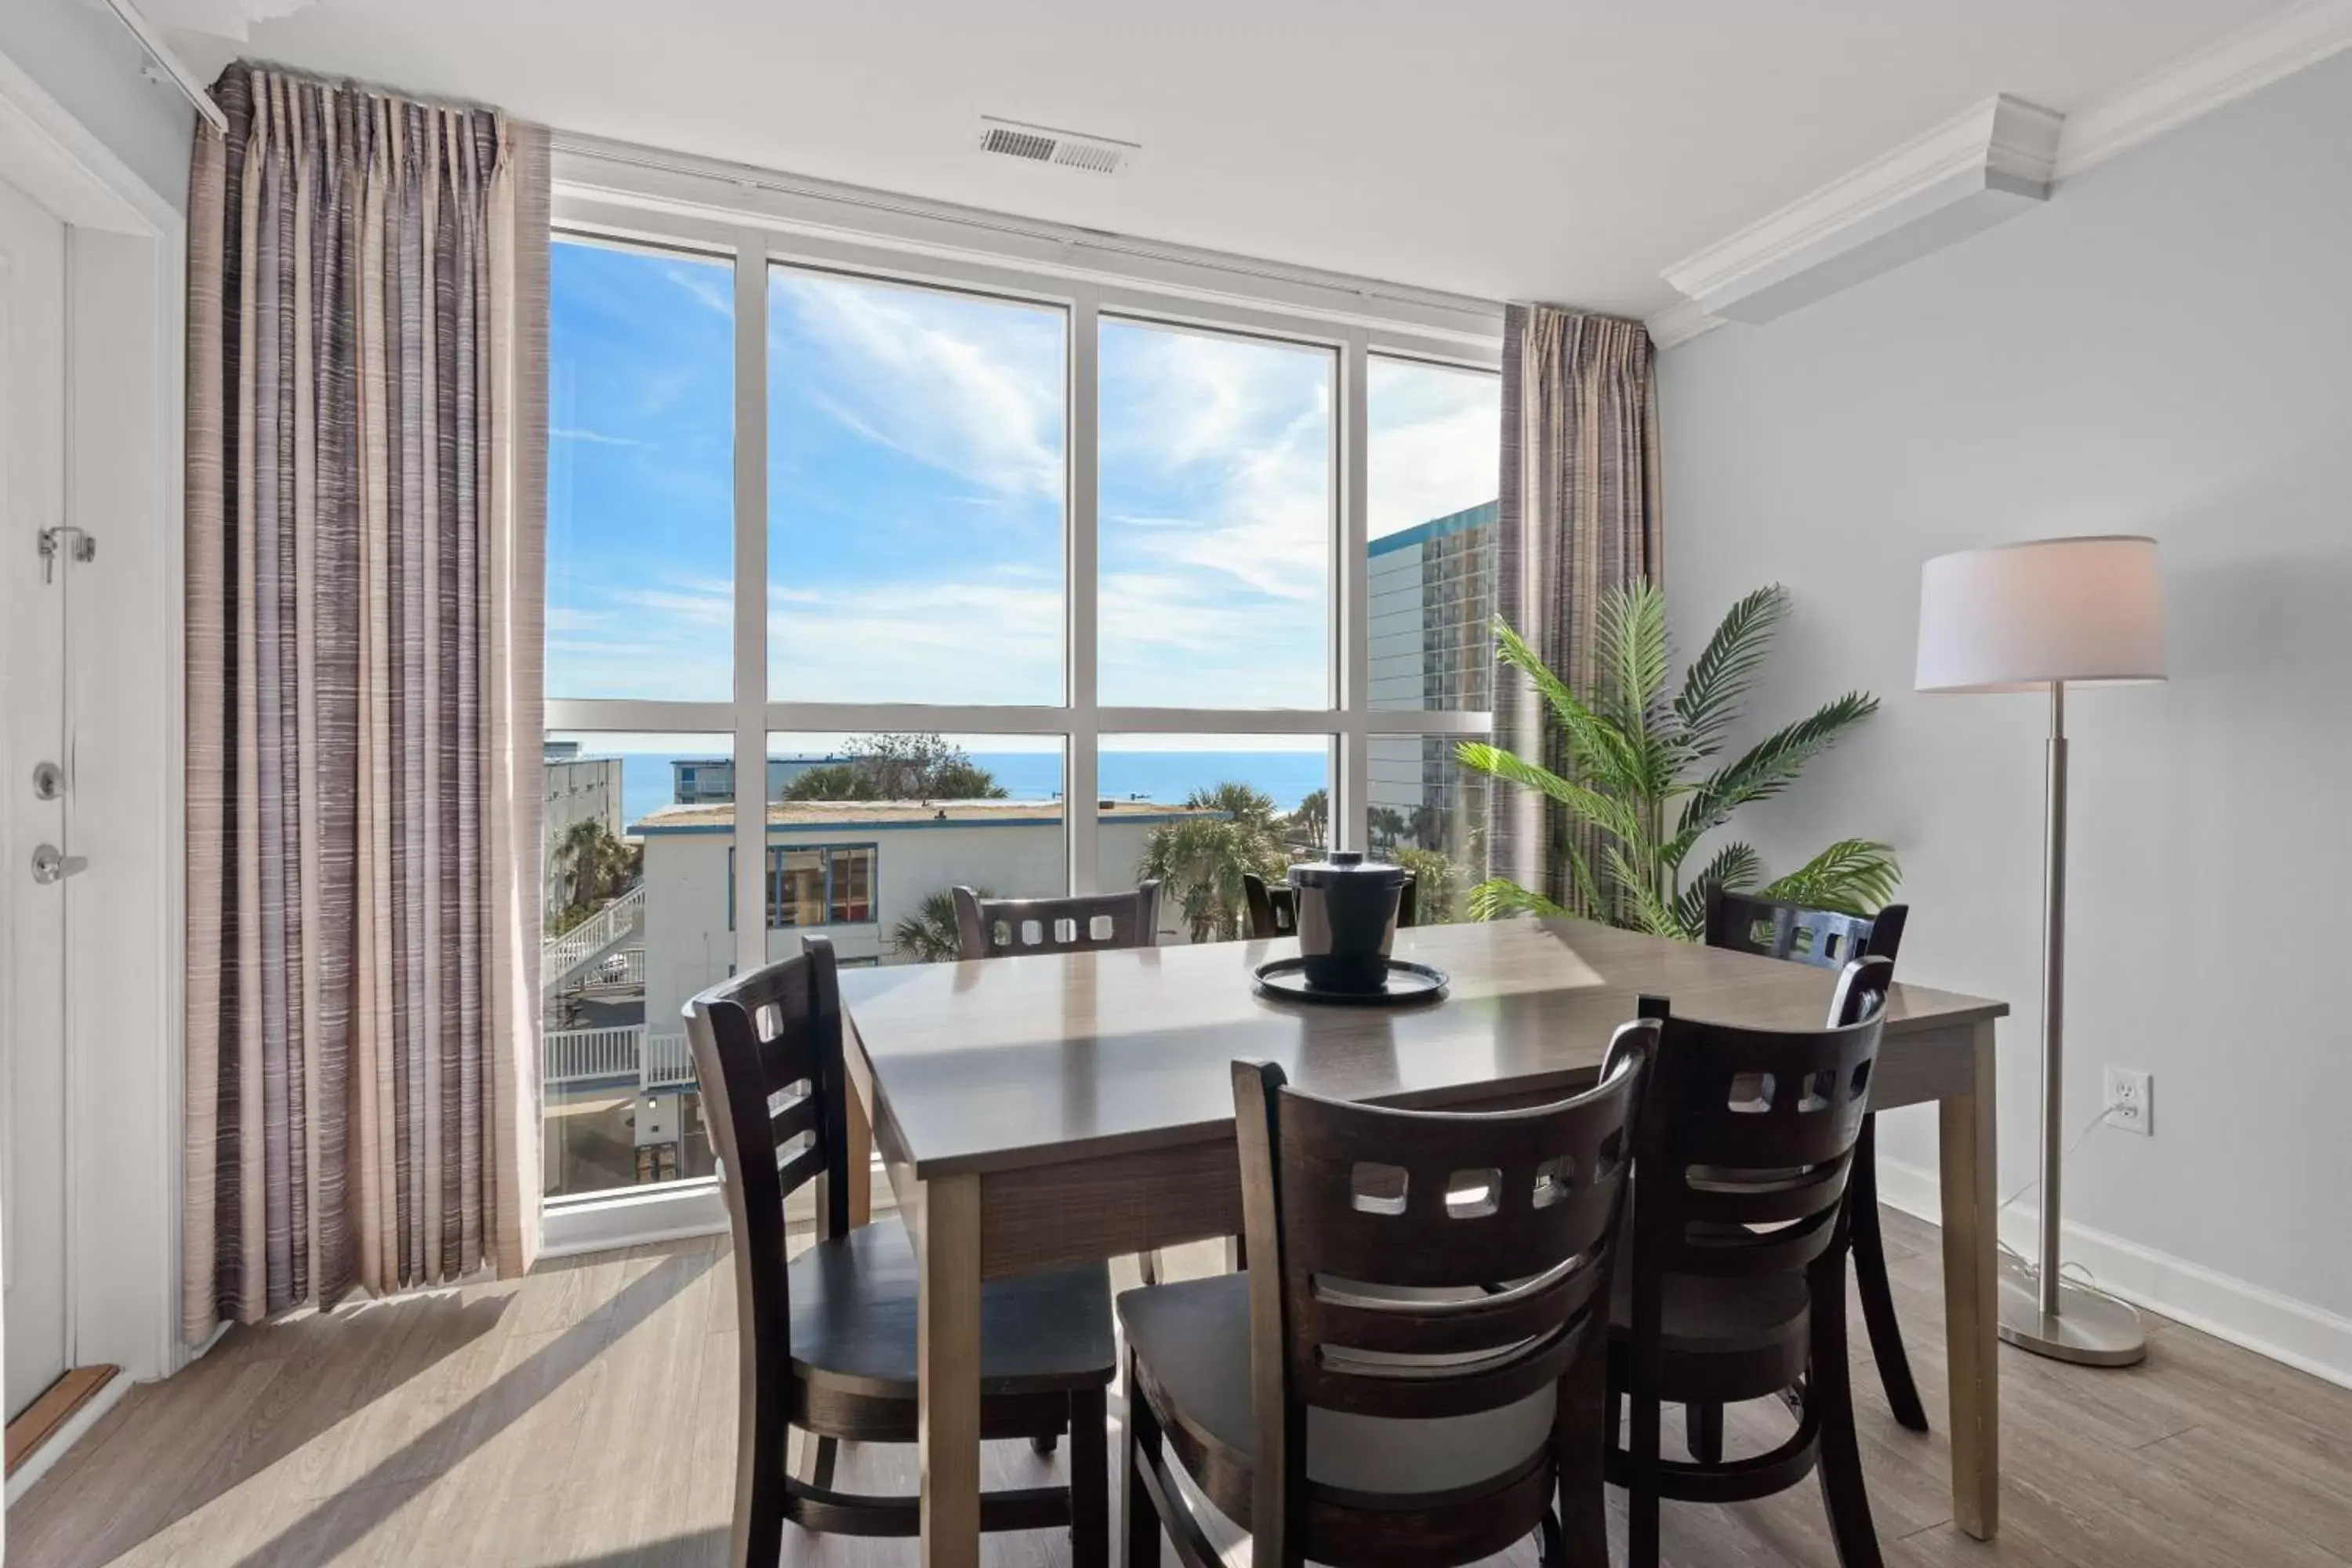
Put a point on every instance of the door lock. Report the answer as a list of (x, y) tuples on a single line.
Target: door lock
[(51, 540), (52, 865), (49, 781)]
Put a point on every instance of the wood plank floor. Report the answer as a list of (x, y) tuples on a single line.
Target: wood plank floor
[(586, 1416)]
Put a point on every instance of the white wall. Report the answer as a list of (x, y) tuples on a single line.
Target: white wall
[(2166, 347), (90, 63)]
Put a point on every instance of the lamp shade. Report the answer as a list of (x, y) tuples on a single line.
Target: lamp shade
[(2017, 617)]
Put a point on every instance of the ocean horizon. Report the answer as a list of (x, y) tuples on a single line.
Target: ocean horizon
[(1165, 778)]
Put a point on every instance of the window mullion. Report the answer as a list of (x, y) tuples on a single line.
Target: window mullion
[(750, 597), (1083, 795), (1351, 804)]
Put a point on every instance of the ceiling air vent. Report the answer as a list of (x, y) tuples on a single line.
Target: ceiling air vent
[(1064, 149)]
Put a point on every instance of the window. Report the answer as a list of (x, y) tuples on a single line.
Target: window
[(886, 573)]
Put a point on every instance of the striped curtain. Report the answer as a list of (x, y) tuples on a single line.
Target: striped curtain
[(367, 327), (1581, 514)]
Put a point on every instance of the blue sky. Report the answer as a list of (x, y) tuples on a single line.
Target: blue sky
[(917, 452)]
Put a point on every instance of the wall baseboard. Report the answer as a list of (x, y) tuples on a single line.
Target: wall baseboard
[(2306, 1338)]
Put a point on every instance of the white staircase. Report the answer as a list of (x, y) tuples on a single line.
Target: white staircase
[(592, 940)]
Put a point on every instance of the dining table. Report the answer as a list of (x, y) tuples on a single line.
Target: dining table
[(1041, 1111)]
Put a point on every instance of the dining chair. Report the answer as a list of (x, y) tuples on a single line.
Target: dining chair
[(1732, 1286), (1830, 939), (1274, 907), (1357, 1396), (827, 1340), (999, 927)]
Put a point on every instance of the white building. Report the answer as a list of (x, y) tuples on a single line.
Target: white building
[(851, 870), (578, 789)]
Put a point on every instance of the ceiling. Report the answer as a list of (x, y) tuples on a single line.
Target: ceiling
[(1557, 150)]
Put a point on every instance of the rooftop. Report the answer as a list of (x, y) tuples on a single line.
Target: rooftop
[(720, 816)]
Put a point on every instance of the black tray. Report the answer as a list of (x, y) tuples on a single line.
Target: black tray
[(1286, 978)]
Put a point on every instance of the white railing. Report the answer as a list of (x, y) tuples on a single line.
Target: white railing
[(669, 1060), (571, 1056), (562, 955), (581, 1056)]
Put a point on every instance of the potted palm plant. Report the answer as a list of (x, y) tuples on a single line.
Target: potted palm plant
[(1645, 772)]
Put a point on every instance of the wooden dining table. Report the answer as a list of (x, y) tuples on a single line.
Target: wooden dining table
[(1037, 1112)]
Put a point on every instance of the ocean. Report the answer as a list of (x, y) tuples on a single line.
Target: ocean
[(1166, 777)]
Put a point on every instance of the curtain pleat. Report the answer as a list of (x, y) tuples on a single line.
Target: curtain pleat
[(367, 352), (1580, 513)]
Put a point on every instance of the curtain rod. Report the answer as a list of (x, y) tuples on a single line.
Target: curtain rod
[(168, 63)]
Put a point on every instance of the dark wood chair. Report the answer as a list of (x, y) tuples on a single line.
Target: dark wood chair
[(828, 1338), (1000, 928), (1273, 908), (1732, 1286), (1357, 1396), (1830, 940)]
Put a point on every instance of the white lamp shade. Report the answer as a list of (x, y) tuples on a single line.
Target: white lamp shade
[(2019, 617)]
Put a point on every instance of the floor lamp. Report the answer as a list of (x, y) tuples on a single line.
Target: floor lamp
[(2042, 616)]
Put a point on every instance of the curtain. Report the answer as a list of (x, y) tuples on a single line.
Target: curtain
[(367, 321), (1581, 514)]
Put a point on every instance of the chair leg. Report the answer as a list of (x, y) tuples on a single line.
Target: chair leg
[(1830, 1382), (1702, 1433), (1642, 1502), (1870, 1279), (1089, 1480), (1138, 1520), (1045, 1443), (1149, 1262), (1551, 1551), (1580, 1534)]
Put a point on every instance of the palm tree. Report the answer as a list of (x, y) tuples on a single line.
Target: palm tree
[(1634, 752), (1312, 820), (1200, 860), (929, 935), (593, 868), (1387, 825)]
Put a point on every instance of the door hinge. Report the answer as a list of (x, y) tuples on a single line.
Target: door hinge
[(83, 548)]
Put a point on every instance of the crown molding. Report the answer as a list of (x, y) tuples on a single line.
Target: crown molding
[(1972, 171), (2230, 67), (1679, 323)]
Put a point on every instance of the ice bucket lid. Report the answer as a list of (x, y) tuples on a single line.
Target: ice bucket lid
[(1348, 865)]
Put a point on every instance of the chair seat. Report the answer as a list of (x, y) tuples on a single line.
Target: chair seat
[(854, 1312), (1704, 1316), (1191, 1340)]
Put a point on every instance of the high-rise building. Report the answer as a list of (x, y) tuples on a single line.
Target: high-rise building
[(1432, 598)]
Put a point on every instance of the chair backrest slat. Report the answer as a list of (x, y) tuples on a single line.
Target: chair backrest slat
[(998, 928), (1419, 1264), (1746, 1128), (1775, 928)]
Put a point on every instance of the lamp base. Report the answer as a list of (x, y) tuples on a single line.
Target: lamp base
[(2091, 1329)]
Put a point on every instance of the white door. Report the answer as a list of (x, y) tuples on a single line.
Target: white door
[(33, 816)]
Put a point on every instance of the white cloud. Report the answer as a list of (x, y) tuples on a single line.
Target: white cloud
[(971, 388), (1434, 445)]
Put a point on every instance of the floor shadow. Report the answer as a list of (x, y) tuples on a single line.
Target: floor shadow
[(335, 1524), (697, 1549)]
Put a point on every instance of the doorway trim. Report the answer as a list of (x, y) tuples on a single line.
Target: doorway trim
[(125, 964)]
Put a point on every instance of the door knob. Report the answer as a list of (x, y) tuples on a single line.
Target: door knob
[(51, 864), (49, 781)]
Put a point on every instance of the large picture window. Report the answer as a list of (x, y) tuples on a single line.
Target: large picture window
[(885, 574)]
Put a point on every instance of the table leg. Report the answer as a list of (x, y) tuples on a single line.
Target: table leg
[(858, 1148), (947, 1356), (1971, 1286)]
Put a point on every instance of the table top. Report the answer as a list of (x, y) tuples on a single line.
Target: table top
[(1002, 1063)]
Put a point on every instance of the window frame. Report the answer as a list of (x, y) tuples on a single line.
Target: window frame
[(606, 195)]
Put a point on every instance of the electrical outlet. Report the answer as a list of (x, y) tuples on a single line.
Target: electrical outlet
[(2130, 1101)]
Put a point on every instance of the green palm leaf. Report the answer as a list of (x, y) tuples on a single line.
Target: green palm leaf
[(1856, 875), (1598, 747), (1735, 865), (1499, 898), (1719, 677), (1605, 812), (1767, 767)]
